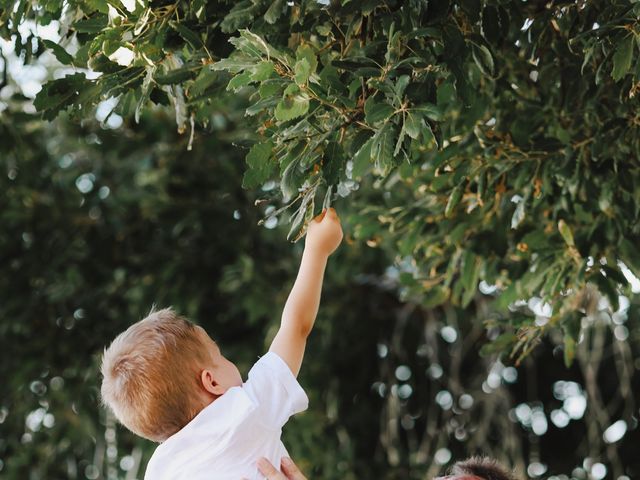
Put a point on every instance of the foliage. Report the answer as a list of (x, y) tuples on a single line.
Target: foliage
[(97, 224), (503, 133), (482, 152)]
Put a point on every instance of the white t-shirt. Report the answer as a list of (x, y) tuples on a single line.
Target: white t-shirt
[(225, 440)]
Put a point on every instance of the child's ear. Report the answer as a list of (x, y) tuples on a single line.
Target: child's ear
[(210, 384)]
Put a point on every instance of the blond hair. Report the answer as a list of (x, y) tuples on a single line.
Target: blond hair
[(151, 374)]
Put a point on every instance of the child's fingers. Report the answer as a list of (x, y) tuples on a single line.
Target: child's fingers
[(333, 214), (320, 216)]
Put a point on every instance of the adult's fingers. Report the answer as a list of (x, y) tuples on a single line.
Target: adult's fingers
[(291, 470), (269, 471)]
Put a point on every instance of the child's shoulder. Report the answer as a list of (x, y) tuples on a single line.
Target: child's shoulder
[(217, 418)]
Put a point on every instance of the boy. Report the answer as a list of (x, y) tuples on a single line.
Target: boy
[(167, 381)]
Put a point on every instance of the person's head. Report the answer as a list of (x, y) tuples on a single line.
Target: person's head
[(161, 372), (478, 468)]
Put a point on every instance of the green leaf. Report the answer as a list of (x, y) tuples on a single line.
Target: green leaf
[(326, 203), (566, 233), (187, 34), (376, 112), (441, 182), (614, 274), (435, 296), (569, 350), (469, 276), (629, 255), (269, 89), (151, 53), (333, 162), (293, 104), (307, 53), (588, 54), (91, 25), (147, 83), (295, 149), (235, 63), (275, 11), (289, 181), (109, 47), (59, 52), (382, 149), (413, 124), (240, 80), (242, 14), (536, 240), (401, 86), (255, 46), (400, 141), (434, 112), (262, 71), (607, 287), (203, 81), (261, 105), (302, 70), (126, 104), (59, 94), (407, 243), (199, 8), (454, 199), (362, 158), (297, 219), (484, 60), (330, 79), (623, 56), (175, 76), (100, 5), (260, 166), (553, 283), (251, 44)]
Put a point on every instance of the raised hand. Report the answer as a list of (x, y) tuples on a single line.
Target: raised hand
[(324, 233)]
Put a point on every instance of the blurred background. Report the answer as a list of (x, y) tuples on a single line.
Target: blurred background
[(101, 218)]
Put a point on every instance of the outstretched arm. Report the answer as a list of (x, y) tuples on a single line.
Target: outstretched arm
[(323, 237)]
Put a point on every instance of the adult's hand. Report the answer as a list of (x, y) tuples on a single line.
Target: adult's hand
[(289, 470)]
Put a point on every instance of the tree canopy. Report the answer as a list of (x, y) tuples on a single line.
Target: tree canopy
[(482, 154), (504, 134)]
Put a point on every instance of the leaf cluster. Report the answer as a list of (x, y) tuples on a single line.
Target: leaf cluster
[(503, 137)]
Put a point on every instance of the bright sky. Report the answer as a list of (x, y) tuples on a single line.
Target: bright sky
[(28, 79)]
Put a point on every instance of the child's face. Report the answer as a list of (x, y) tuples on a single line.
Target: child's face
[(225, 372)]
